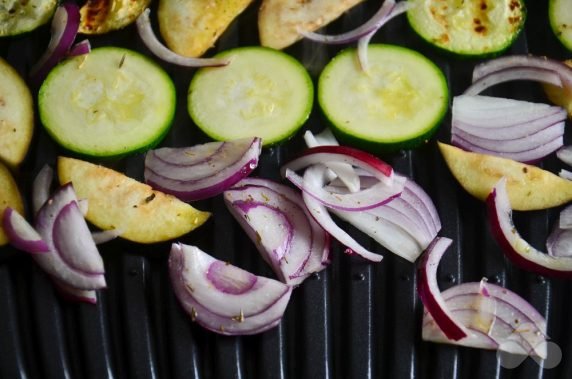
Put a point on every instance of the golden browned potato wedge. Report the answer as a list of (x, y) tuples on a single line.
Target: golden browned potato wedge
[(280, 21), (528, 187), (560, 96), (191, 27), (9, 197), (116, 201), (102, 16), (16, 116)]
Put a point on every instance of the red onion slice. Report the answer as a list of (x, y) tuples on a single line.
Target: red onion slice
[(527, 156), (21, 234), (80, 48), (506, 75), (285, 235), (565, 154), (222, 297), (71, 235), (494, 113), (104, 236), (150, 39), (41, 187), (511, 323), (344, 171), (224, 289), (201, 171), (54, 231), (565, 220), (73, 294), (416, 196), (385, 232), (322, 217), (559, 243), (518, 250), (565, 174), (320, 256), (428, 290), (365, 199), (517, 143), (524, 61), (319, 154), (519, 130), (413, 203), (65, 25)]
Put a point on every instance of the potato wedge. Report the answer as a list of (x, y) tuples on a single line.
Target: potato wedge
[(560, 96), (16, 116), (102, 16), (117, 201), (280, 21), (191, 27), (528, 187), (9, 197)]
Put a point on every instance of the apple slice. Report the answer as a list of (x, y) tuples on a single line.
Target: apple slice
[(119, 202), (9, 195), (281, 21), (191, 27), (16, 116), (528, 187)]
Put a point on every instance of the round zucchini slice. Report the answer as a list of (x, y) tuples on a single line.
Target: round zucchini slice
[(475, 28), (108, 103), (262, 93), (397, 104), (560, 15), (17, 17)]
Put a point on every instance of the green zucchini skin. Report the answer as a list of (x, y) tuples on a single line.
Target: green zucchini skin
[(450, 42), (560, 17), (369, 133), (134, 120)]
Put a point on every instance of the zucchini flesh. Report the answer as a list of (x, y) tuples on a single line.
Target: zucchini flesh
[(560, 15), (108, 103), (262, 93), (468, 27), (398, 103), (18, 17)]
